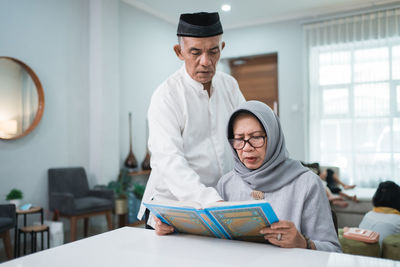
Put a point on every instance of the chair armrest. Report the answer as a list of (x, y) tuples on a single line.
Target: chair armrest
[(103, 193), (63, 202), (8, 210)]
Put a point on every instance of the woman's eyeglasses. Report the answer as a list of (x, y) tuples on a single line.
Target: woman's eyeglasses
[(254, 141)]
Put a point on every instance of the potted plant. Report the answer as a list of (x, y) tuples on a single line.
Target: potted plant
[(138, 190), (14, 197), (120, 188)]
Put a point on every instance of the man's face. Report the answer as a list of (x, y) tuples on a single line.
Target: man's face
[(201, 56)]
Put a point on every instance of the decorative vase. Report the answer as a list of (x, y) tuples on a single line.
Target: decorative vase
[(16, 202), (121, 206), (130, 161), (146, 161)]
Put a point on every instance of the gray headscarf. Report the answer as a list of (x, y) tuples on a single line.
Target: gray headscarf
[(277, 169)]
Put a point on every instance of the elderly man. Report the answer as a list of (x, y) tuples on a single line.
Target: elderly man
[(187, 118)]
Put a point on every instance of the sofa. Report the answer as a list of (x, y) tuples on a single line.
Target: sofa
[(390, 248), (351, 215)]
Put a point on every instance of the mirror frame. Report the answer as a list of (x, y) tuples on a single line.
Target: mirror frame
[(40, 92)]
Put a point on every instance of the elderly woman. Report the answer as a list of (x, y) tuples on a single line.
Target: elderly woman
[(263, 170)]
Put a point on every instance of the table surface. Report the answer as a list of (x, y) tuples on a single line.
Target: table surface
[(31, 210), (129, 246)]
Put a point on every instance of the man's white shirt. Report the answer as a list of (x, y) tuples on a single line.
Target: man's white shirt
[(187, 137)]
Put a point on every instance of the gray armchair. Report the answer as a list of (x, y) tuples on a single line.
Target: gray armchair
[(70, 197), (7, 222)]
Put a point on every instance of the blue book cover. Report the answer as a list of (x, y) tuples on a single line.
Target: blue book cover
[(229, 220)]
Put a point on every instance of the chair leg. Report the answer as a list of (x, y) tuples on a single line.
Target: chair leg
[(33, 241), (48, 238), (56, 215), (18, 243), (7, 244), (109, 220), (41, 241), (16, 239), (73, 228), (85, 226), (24, 243)]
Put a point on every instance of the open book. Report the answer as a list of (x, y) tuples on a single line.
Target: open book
[(230, 220)]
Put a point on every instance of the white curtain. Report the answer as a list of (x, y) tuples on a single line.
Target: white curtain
[(353, 81)]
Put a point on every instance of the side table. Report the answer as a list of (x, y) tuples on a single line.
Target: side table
[(33, 230), (138, 178)]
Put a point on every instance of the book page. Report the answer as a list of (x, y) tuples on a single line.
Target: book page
[(233, 203), (184, 219), (176, 203), (243, 220)]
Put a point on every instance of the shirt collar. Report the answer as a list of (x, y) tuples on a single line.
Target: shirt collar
[(386, 210)]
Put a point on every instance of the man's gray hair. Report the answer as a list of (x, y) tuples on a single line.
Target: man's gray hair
[(180, 40)]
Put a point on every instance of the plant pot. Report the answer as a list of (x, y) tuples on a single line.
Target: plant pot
[(121, 206), (16, 202)]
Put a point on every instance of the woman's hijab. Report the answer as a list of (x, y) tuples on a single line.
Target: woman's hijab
[(277, 169)]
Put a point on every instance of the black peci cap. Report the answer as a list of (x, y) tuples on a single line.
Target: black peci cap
[(201, 24)]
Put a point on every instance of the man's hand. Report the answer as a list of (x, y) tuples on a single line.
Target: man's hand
[(162, 228)]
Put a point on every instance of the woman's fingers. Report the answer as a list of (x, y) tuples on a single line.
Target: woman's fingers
[(284, 240), (277, 227), (162, 228), (282, 225), (284, 234)]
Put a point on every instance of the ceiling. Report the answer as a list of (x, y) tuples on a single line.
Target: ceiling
[(254, 12)]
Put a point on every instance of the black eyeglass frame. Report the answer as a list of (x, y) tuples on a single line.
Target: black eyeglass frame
[(247, 141)]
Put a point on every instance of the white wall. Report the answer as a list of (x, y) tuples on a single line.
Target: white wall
[(104, 90), (285, 39), (98, 60), (73, 46), (50, 37), (147, 59)]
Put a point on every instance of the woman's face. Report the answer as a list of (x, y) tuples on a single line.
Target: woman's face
[(246, 126)]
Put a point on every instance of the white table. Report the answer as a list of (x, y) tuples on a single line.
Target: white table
[(140, 247)]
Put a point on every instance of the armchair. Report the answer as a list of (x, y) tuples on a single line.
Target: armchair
[(70, 197), (7, 221)]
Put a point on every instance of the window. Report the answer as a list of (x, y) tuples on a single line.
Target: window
[(358, 122), (353, 82)]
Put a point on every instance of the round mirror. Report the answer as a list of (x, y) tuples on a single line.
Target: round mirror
[(21, 99)]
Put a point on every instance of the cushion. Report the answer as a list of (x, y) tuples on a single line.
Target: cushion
[(357, 247), (91, 204), (391, 247), (333, 168), (6, 223), (68, 180), (314, 167)]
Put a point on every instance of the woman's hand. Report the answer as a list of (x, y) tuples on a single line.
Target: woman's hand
[(284, 234), (162, 228)]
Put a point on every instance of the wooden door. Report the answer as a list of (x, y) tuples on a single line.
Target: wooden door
[(258, 78)]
